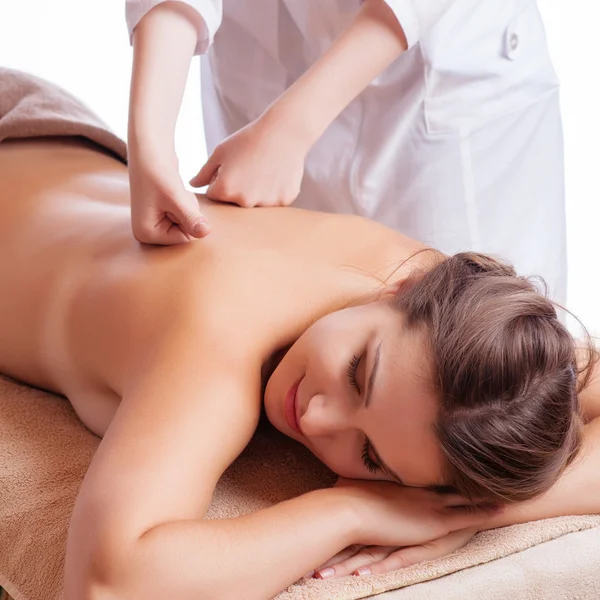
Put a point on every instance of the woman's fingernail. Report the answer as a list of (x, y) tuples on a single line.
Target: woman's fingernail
[(363, 571), (325, 573)]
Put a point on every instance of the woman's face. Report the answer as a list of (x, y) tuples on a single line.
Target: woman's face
[(355, 390)]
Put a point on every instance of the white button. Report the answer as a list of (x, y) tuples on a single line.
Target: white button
[(513, 41)]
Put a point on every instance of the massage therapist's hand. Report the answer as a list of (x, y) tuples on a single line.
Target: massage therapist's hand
[(162, 210), (259, 165), (392, 515), (375, 560)]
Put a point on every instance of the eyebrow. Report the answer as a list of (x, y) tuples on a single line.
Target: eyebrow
[(370, 386)]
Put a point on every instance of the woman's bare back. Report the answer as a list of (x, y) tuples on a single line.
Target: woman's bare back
[(82, 296)]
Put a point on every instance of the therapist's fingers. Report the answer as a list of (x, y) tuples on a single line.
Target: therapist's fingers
[(167, 233), (206, 174), (186, 215)]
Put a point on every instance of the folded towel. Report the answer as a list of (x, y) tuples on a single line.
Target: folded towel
[(31, 107), (565, 568), (45, 452)]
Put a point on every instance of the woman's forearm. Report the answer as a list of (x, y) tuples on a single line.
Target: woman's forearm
[(367, 47), (576, 493), (251, 557), (163, 46)]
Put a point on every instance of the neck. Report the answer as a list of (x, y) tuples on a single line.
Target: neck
[(271, 364)]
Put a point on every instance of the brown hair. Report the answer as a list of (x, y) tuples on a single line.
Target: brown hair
[(505, 370)]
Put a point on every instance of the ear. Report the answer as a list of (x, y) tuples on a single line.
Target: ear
[(389, 290)]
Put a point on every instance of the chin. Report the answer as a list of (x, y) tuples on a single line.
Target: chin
[(268, 407)]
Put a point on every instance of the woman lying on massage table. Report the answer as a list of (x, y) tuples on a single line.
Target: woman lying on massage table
[(426, 382)]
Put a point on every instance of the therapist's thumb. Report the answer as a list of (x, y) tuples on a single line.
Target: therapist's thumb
[(206, 174), (188, 217), (194, 224)]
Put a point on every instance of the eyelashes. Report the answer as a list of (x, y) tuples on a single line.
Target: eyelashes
[(371, 466), (352, 368)]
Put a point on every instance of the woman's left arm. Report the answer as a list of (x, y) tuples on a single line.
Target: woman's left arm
[(250, 166), (577, 492)]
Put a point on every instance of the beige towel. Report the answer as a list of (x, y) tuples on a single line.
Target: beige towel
[(45, 451), (565, 568), (31, 107)]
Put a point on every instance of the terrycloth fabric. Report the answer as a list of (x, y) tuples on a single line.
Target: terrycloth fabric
[(566, 568), (31, 107), (45, 451)]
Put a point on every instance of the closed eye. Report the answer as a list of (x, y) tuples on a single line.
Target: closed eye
[(352, 368), (369, 463)]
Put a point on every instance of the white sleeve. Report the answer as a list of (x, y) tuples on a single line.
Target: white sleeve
[(417, 16), (211, 12)]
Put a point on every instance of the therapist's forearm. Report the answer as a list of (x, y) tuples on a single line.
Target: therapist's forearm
[(163, 46), (251, 557), (576, 493), (372, 41)]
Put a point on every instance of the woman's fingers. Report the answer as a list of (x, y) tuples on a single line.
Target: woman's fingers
[(361, 558), (400, 559), (341, 556), (375, 560), (411, 555)]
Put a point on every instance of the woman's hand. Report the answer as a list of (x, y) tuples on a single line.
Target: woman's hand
[(392, 515), (374, 560), (259, 165), (162, 210)]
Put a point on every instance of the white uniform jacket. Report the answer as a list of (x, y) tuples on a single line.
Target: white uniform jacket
[(458, 143)]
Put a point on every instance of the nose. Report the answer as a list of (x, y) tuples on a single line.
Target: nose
[(324, 417)]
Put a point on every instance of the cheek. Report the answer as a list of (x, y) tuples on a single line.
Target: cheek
[(414, 452), (342, 457)]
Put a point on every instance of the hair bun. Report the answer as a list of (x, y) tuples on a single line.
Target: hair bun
[(483, 264)]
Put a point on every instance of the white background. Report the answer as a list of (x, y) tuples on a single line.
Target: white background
[(83, 46)]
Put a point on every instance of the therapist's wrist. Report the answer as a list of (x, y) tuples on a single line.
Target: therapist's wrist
[(148, 146), (286, 117)]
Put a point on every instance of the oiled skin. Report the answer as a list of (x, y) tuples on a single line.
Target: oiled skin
[(82, 296)]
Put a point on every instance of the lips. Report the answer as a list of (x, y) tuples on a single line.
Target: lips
[(290, 408)]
